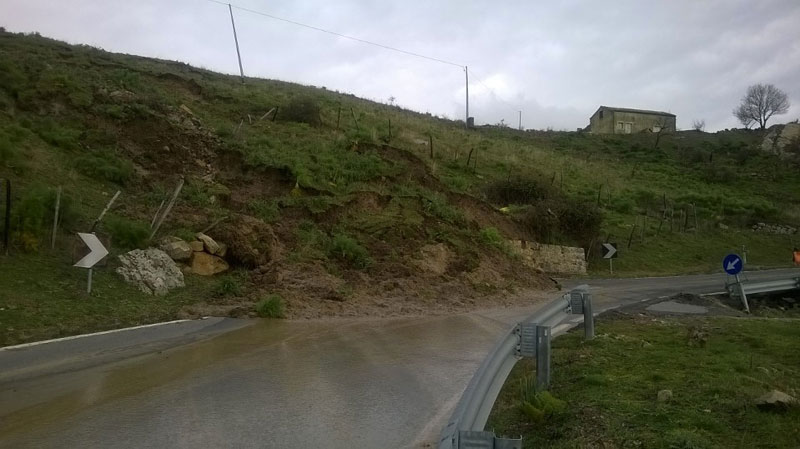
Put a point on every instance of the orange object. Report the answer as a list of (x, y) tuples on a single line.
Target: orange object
[(796, 257)]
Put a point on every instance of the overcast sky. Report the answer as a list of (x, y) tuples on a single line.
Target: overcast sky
[(557, 61)]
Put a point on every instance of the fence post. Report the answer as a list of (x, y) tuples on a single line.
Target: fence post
[(588, 317), (542, 357), (7, 226), (55, 219)]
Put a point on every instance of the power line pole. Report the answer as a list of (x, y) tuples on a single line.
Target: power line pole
[(236, 40), (466, 119), (520, 120)]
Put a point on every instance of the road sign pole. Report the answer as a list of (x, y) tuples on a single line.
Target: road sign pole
[(611, 266), (741, 293), (89, 283)]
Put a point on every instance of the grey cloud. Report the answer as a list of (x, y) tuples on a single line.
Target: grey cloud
[(556, 61)]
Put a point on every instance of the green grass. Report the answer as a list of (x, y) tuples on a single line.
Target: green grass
[(43, 296), (271, 307), (610, 386)]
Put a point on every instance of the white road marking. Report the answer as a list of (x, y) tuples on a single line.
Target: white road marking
[(74, 337)]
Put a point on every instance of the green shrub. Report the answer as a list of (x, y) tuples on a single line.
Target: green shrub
[(57, 135), (230, 285), (266, 210), (686, 439), (34, 211), (271, 307), (125, 233), (492, 237), (518, 190), (105, 165), (347, 249), (301, 109), (436, 204)]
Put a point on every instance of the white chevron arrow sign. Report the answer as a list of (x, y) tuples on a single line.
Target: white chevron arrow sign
[(96, 251)]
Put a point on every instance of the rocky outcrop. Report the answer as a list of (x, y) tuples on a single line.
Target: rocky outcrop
[(151, 270), (781, 139), (551, 258)]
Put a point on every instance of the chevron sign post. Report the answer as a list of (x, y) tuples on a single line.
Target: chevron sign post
[(610, 253), (96, 253)]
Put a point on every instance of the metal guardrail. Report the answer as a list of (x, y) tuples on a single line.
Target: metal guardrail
[(752, 288), (742, 288), (529, 338)]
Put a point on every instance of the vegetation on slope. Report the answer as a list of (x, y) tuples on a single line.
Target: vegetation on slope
[(715, 369), (344, 198)]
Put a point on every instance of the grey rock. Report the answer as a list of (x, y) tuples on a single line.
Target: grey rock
[(211, 246), (775, 400), (664, 395), (152, 270), (176, 248)]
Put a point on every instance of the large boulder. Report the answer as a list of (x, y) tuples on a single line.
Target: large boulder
[(153, 271), (205, 264), (250, 241), (176, 248)]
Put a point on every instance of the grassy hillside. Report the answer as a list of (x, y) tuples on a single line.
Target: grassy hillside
[(349, 207)]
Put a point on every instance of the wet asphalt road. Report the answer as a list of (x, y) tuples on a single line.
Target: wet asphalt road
[(334, 384)]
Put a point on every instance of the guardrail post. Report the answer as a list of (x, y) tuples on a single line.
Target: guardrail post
[(542, 357), (588, 317)]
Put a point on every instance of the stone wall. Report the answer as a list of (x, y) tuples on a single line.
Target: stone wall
[(551, 258), (774, 229)]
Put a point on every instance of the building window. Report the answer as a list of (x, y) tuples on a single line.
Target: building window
[(601, 114)]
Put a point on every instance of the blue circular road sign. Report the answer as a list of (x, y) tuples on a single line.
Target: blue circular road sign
[(732, 264)]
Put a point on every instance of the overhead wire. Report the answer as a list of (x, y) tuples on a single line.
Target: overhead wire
[(323, 30)]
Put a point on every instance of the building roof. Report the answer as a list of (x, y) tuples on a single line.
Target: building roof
[(636, 111)]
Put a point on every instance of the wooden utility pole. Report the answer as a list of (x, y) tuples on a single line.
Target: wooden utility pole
[(430, 142), (466, 119), (236, 40)]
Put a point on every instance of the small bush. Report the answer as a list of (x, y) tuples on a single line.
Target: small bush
[(518, 190), (230, 285), (436, 204), (266, 210), (125, 233), (492, 237), (347, 249), (302, 109), (105, 165), (271, 307), (33, 213)]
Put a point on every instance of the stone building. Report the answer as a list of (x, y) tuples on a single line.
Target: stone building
[(608, 120)]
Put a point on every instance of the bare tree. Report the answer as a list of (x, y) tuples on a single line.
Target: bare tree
[(391, 100), (699, 125), (661, 127), (761, 102)]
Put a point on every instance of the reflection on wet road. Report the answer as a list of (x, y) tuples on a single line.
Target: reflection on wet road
[(335, 384)]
